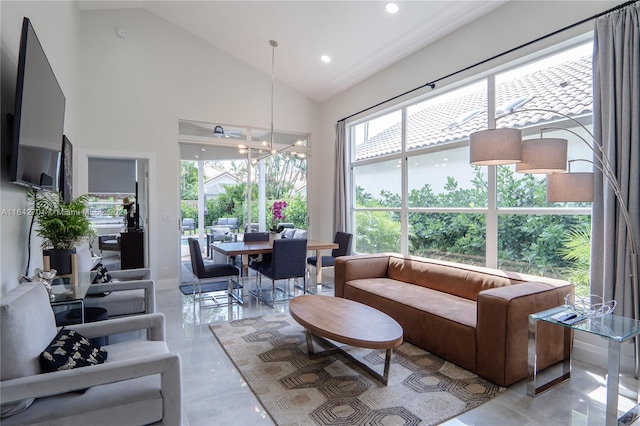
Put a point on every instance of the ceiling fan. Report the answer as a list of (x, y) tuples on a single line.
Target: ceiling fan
[(219, 132)]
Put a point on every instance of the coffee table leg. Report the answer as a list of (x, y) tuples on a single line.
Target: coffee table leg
[(387, 364), (333, 348), (307, 335)]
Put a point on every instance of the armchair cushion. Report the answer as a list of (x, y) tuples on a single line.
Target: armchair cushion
[(68, 350), (32, 328), (124, 297)]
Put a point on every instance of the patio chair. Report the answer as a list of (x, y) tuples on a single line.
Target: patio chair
[(140, 382), (188, 224)]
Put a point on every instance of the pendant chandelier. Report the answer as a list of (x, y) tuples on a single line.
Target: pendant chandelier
[(270, 145)]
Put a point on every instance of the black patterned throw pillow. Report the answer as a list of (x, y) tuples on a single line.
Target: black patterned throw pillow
[(68, 350), (102, 275)]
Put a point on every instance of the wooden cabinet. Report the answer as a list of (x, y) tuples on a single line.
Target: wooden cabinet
[(131, 250)]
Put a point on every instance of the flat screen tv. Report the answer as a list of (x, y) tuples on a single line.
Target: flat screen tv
[(38, 121)]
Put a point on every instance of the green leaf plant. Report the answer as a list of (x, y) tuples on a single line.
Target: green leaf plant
[(61, 225), (577, 249)]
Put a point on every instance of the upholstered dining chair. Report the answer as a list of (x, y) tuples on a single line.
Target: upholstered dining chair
[(211, 272), (139, 383), (287, 261), (344, 240)]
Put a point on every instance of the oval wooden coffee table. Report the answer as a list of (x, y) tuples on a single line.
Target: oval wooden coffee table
[(348, 322)]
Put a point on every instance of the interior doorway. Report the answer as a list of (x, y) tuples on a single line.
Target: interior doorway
[(118, 190)]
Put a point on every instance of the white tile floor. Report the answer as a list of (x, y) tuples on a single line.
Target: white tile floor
[(214, 393)]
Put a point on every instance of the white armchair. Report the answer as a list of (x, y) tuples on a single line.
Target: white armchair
[(133, 293), (140, 383)]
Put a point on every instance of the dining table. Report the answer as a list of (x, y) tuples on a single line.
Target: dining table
[(245, 249)]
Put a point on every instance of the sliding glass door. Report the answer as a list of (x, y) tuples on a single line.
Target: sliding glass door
[(231, 180)]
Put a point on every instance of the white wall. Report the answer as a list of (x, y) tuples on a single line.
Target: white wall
[(57, 27), (134, 90), (124, 98)]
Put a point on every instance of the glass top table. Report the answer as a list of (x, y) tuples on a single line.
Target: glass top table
[(615, 329), (67, 291)]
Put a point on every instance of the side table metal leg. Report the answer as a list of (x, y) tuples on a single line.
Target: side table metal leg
[(613, 381), (532, 358), (533, 389)]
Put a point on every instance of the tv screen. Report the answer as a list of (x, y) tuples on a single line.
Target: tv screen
[(38, 122)]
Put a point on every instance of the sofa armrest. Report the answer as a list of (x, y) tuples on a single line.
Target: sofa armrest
[(154, 323), (503, 324), (349, 268), (149, 287)]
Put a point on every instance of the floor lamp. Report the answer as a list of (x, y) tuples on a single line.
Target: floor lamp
[(549, 155)]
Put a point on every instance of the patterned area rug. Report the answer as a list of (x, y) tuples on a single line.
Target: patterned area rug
[(271, 354)]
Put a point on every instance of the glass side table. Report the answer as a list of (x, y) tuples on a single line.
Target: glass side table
[(68, 292), (613, 328)]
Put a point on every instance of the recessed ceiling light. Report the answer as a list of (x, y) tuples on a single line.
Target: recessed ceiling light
[(391, 8), (203, 150), (197, 156), (326, 59)]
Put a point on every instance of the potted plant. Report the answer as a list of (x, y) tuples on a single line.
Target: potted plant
[(62, 226), (277, 215)]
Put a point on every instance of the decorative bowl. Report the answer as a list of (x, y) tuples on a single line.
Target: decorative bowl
[(591, 306)]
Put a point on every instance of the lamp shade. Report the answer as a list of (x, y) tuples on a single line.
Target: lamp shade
[(495, 146), (544, 155), (570, 187)]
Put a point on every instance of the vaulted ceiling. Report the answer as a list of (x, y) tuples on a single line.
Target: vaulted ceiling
[(360, 36)]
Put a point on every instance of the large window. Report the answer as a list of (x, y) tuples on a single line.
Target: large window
[(414, 190)]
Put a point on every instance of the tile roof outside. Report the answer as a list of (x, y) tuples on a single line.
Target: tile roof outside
[(566, 88)]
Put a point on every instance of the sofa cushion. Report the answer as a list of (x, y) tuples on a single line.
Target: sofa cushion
[(450, 279), (441, 323), (300, 233), (288, 233)]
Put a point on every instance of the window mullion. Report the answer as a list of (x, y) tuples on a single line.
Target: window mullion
[(404, 218), (492, 192)]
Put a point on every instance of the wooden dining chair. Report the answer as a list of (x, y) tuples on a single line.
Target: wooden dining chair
[(287, 261)]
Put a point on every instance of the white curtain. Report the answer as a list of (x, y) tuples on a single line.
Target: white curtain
[(340, 220), (616, 125)]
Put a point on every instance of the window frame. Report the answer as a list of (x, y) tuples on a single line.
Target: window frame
[(492, 211)]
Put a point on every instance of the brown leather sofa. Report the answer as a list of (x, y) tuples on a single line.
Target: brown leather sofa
[(474, 317)]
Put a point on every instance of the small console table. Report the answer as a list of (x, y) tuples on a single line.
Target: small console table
[(614, 329)]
